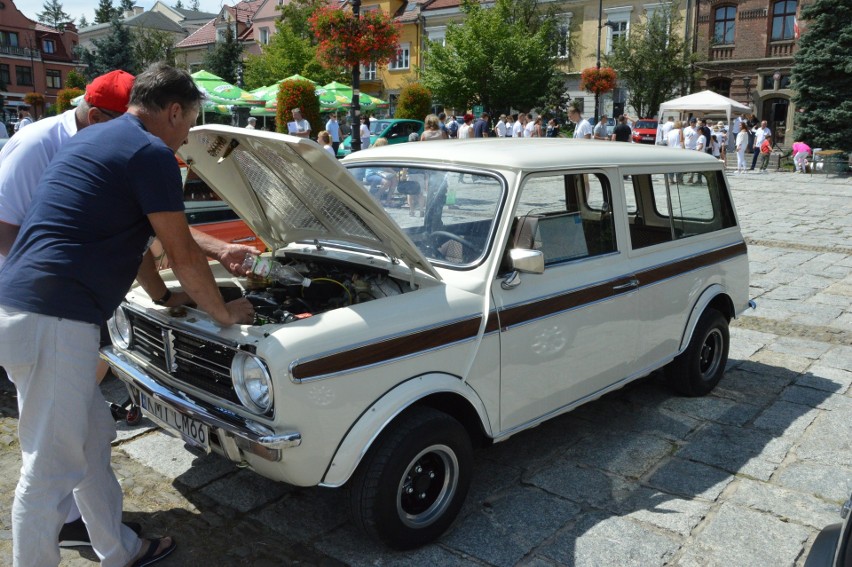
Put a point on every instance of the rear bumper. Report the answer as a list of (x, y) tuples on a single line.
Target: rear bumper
[(231, 435)]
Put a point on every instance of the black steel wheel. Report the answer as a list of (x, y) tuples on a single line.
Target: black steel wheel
[(700, 367), (413, 481)]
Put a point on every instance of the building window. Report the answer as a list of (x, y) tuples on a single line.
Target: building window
[(264, 36), (720, 85), (5, 78), (562, 49), (723, 30), (9, 39), (437, 34), (48, 46), (24, 75), (402, 57), (54, 79), (783, 20), (617, 26), (368, 72)]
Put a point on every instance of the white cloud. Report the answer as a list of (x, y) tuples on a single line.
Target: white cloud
[(77, 8)]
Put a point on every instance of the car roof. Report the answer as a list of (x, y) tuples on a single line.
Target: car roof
[(532, 154)]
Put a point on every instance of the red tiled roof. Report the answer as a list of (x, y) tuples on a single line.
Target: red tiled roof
[(242, 12), (440, 4), (202, 36)]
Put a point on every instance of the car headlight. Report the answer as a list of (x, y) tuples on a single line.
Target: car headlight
[(252, 382), (120, 329)]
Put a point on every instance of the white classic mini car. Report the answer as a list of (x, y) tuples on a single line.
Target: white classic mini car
[(454, 294)]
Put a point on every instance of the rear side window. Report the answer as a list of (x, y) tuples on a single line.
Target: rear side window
[(677, 205), (567, 217)]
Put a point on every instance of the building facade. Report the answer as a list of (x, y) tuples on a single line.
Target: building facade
[(746, 50), (33, 58)]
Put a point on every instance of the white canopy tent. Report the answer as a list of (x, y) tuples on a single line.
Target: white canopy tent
[(705, 101)]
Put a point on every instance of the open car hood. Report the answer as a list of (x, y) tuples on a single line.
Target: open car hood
[(289, 189)]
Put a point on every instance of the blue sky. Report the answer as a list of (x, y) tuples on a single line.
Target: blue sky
[(77, 8)]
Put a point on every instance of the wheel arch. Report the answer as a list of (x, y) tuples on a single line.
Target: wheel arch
[(714, 297), (442, 392)]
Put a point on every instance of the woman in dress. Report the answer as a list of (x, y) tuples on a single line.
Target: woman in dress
[(364, 132), (432, 129), (742, 143)]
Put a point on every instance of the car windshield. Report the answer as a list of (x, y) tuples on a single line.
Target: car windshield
[(448, 215), (378, 126), (647, 124)]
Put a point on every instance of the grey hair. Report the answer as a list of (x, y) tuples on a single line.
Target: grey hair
[(161, 85)]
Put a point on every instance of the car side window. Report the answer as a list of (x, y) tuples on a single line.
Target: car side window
[(567, 217), (677, 205)]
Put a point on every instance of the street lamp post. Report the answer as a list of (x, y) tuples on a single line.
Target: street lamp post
[(747, 85), (355, 137), (601, 25)]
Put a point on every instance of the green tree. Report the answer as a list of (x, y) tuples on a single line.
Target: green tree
[(225, 58), (653, 61), (105, 12), (151, 45), (115, 51), (53, 15), (194, 5), (179, 5), (822, 75), (501, 57), (125, 5), (83, 21), (75, 80), (298, 94), (415, 102)]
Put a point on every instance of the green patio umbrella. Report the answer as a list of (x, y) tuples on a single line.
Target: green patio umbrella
[(336, 95), (219, 91)]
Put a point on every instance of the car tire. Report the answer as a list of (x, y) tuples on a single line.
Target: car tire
[(412, 483), (699, 368)]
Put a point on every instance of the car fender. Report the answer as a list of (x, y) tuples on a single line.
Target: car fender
[(703, 301), (378, 416)]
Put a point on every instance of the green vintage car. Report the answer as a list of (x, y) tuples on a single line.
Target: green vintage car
[(396, 130)]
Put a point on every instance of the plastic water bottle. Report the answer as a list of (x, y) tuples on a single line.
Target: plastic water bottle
[(267, 267)]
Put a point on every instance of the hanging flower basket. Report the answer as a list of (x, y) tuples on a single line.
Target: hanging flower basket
[(598, 81), (345, 41)]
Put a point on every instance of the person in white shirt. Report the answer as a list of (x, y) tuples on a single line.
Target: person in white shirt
[(299, 126), (518, 126), (510, 125), (333, 129), (529, 127), (364, 132), (663, 131), (24, 118), (500, 127), (674, 139), (582, 128), (760, 133), (740, 144), (466, 129), (324, 138), (599, 132), (690, 135)]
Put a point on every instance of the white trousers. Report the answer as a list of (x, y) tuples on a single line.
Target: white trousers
[(741, 160), (65, 430), (801, 161)]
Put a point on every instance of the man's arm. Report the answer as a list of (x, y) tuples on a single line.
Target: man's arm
[(229, 255), (190, 266), (8, 234), (150, 280)]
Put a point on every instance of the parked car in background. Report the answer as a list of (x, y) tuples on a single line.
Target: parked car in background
[(833, 545), (645, 131), (473, 295), (395, 130)]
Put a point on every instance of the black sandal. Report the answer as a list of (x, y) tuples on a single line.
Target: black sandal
[(151, 556)]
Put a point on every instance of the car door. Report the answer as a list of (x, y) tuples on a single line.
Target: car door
[(571, 331)]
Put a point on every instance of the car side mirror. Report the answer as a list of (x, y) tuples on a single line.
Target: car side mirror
[(526, 260)]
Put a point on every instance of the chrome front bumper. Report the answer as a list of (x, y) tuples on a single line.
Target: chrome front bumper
[(234, 435)]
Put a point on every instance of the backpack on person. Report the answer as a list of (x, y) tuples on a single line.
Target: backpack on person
[(453, 129)]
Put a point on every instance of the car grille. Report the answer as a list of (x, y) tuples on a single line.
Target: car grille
[(197, 362)]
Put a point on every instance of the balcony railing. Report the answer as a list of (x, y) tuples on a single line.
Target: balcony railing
[(20, 51), (781, 48), (721, 52)]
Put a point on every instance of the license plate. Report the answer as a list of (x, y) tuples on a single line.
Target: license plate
[(192, 431)]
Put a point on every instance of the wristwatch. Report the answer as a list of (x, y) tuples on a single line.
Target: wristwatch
[(165, 299)]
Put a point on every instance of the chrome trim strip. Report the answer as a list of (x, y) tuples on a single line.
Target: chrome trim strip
[(253, 433), (504, 329), (176, 324)]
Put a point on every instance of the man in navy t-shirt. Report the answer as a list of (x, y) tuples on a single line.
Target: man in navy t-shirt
[(481, 128), (107, 192)]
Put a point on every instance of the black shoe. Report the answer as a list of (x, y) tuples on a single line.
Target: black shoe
[(75, 534)]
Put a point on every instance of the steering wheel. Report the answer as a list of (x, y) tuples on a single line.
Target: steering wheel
[(438, 237)]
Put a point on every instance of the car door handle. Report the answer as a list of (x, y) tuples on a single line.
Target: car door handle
[(632, 282)]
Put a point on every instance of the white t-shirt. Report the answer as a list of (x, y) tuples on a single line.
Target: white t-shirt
[(501, 129), (298, 126), (528, 129), (582, 128), (673, 139), (760, 134), (701, 143), (333, 128), (465, 131), (517, 129), (23, 161), (364, 132), (330, 150), (742, 141), (690, 137)]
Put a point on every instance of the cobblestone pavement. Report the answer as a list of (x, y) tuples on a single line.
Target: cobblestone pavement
[(745, 476)]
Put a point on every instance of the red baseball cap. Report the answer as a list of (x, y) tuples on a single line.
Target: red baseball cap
[(110, 91)]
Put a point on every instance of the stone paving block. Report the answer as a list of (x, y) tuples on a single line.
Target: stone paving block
[(168, 456), (245, 491), (844, 322), (745, 538), (627, 455), (590, 487), (752, 452), (790, 292), (821, 280), (787, 505), (815, 398), (351, 548), (665, 511), (712, 408), (841, 288), (839, 356), (834, 380), (306, 513), (829, 439), (782, 360), (513, 524), (829, 482), (785, 418), (748, 387), (622, 541), (488, 478), (622, 415), (778, 374), (690, 479), (799, 347), (841, 301)]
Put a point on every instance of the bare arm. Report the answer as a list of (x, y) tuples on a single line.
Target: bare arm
[(190, 266), (149, 278), (8, 234), (229, 255)]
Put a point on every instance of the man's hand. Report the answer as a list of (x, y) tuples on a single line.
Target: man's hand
[(232, 257), (240, 311)]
